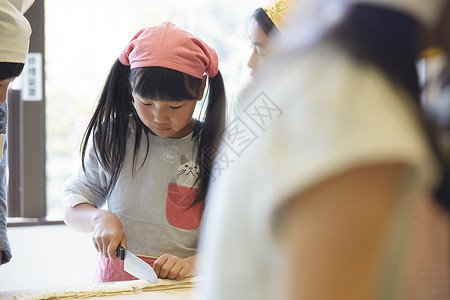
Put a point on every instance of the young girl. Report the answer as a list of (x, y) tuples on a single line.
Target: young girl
[(264, 24), (146, 156)]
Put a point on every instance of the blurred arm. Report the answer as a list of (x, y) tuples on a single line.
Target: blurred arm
[(335, 233)]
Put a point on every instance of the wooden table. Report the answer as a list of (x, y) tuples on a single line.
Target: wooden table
[(174, 294)]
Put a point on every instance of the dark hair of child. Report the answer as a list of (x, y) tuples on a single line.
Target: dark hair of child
[(10, 70), (110, 120), (263, 20)]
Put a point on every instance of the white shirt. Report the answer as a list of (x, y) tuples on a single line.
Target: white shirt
[(324, 115)]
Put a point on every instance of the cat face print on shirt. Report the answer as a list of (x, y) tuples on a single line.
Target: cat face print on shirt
[(181, 194), (187, 173)]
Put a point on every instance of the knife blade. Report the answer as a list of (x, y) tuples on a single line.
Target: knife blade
[(136, 266)]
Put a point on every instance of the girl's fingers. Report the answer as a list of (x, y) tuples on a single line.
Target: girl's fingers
[(112, 248), (190, 274), (99, 245), (158, 263), (172, 267), (184, 273), (94, 241), (105, 250), (164, 264), (165, 269), (174, 271), (105, 243), (124, 242), (108, 233)]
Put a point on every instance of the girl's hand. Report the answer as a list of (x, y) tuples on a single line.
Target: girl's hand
[(108, 234), (172, 267)]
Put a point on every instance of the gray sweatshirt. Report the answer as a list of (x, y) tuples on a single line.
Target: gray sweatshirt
[(151, 203)]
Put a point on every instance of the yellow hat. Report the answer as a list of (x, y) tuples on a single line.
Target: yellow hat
[(431, 52), (279, 11)]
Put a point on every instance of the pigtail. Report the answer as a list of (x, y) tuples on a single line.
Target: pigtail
[(109, 123), (213, 126)]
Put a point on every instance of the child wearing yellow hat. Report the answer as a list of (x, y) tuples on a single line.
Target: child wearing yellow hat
[(265, 23)]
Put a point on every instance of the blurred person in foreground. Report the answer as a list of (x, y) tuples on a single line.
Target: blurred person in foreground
[(323, 201), (15, 34)]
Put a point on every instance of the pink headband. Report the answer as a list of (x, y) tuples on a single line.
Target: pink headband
[(167, 45)]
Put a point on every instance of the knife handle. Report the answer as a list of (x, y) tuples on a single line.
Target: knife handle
[(120, 252)]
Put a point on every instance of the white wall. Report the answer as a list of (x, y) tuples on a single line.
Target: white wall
[(48, 256)]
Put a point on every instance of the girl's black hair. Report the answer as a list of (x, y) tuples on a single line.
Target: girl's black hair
[(10, 70), (263, 20), (109, 123), (389, 40)]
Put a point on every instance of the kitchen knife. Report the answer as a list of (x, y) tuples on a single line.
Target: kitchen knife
[(136, 266)]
